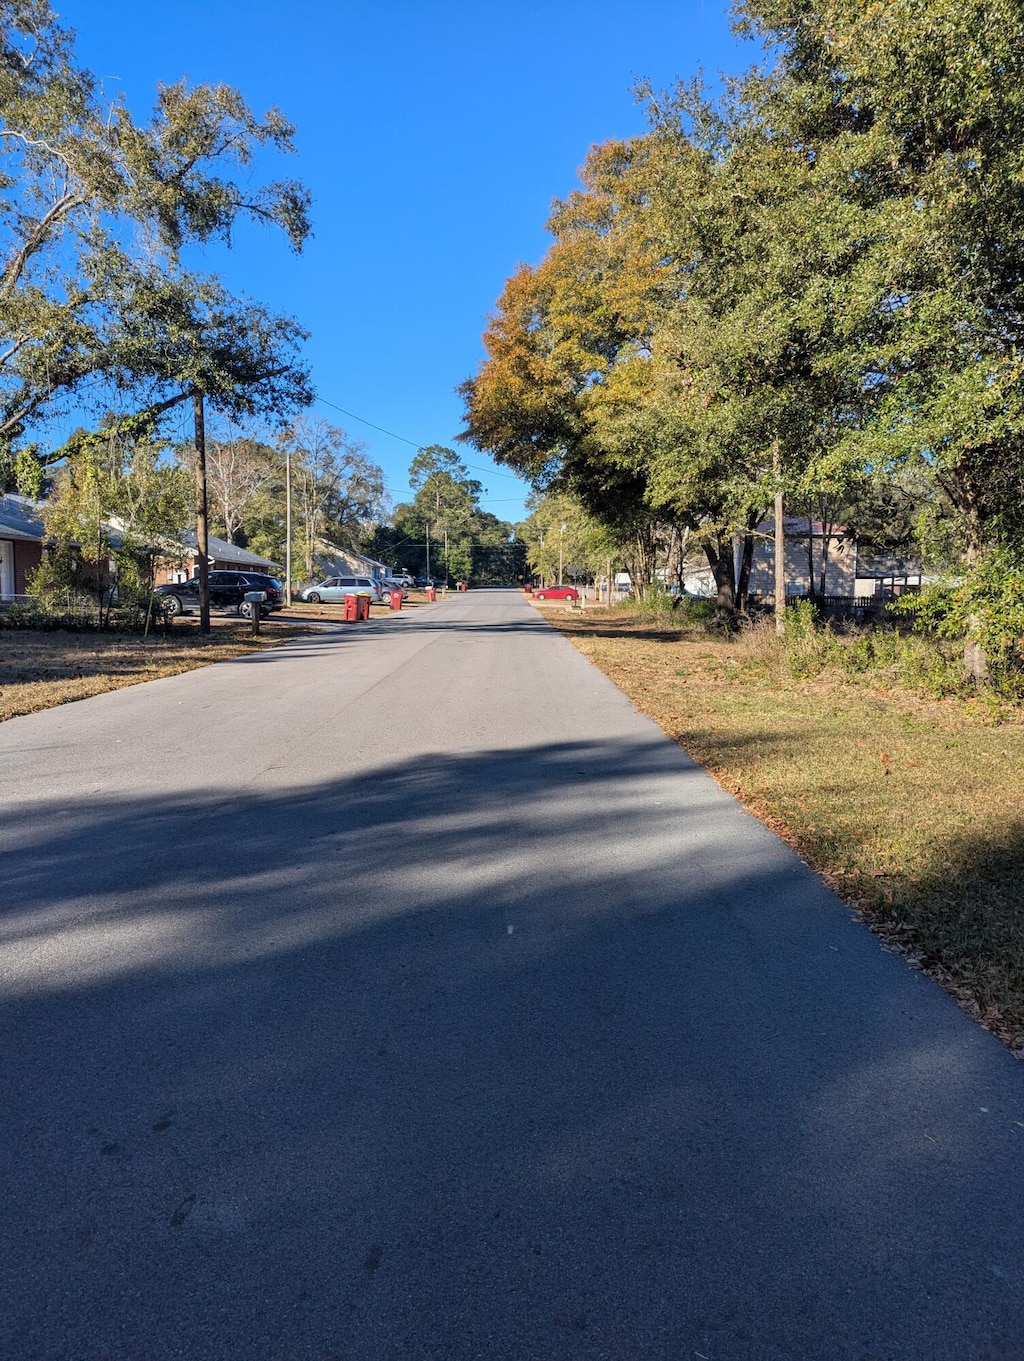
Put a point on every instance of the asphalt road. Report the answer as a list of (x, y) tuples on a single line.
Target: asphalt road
[(403, 994)]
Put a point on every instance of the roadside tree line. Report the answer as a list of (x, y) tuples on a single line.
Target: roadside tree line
[(101, 317), (104, 322), (810, 285)]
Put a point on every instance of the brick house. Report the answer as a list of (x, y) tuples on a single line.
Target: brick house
[(21, 544)]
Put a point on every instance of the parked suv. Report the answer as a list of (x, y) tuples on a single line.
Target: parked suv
[(337, 588), (227, 592)]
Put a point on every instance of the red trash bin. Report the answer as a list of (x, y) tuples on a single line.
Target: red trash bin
[(431, 593), (364, 607), (352, 608), (396, 600), (462, 585)]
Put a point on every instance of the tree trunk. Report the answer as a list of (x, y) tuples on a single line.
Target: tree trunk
[(723, 567), (780, 564), (746, 562), (202, 514), (975, 656), (642, 565), (960, 488)]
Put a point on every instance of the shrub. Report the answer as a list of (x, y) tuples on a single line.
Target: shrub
[(986, 606)]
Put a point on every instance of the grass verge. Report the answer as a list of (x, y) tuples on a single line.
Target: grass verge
[(912, 809)]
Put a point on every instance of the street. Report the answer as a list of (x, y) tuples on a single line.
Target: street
[(402, 994)]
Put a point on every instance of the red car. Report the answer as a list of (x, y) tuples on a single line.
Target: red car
[(556, 593)]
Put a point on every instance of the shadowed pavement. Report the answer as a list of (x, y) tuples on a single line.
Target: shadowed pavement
[(404, 994)]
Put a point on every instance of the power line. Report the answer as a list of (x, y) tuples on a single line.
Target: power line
[(491, 472)]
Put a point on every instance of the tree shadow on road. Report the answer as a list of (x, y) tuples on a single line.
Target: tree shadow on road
[(497, 1054)]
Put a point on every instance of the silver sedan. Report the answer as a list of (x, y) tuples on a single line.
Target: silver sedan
[(335, 589)]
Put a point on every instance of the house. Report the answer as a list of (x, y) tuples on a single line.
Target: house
[(22, 540), (887, 574), (330, 561), (809, 543), (21, 543), (220, 554)]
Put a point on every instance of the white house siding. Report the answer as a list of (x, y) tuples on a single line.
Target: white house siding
[(7, 584)]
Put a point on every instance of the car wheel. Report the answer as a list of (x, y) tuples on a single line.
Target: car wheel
[(170, 605), (313, 597), (541, 595), (385, 597), (246, 608)]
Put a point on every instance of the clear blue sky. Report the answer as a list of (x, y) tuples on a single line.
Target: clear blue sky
[(433, 135)]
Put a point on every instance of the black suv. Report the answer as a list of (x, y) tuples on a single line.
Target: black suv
[(227, 592)]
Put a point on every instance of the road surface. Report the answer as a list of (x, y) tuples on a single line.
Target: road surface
[(403, 995)]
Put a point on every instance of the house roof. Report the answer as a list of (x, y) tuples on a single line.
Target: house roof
[(223, 551), (798, 525), (20, 518), (883, 564), (355, 562)]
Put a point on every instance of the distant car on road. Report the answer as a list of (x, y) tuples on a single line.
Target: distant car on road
[(227, 592), (402, 579), (556, 593), (335, 589)]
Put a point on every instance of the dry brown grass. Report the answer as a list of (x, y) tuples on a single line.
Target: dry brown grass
[(912, 809)]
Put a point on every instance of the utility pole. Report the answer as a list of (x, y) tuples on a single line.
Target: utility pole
[(428, 550), (288, 527), (202, 513), (780, 551)]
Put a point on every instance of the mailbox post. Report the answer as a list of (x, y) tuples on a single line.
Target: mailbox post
[(255, 601)]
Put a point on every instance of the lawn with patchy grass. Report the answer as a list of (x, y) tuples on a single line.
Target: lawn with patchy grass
[(912, 809)]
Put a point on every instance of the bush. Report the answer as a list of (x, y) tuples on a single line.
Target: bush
[(55, 581), (807, 649), (654, 602), (987, 607), (701, 613)]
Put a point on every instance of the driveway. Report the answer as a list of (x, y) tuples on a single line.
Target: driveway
[(403, 993)]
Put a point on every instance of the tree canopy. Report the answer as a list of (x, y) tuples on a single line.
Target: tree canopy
[(96, 208), (812, 284)]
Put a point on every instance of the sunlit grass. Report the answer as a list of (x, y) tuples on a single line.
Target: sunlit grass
[(912, 808)]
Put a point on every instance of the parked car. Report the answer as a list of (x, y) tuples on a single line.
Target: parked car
[(227, 592), (556, 593), (335, 589), (402, 579), (389, 584)]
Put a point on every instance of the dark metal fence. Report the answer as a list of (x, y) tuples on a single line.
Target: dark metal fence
[(854, 609)]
